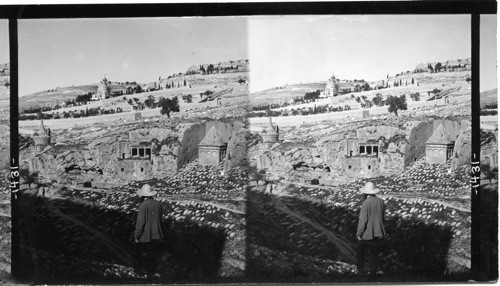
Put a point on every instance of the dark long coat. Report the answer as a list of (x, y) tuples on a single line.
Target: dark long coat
[(149, 221), (371, 219)]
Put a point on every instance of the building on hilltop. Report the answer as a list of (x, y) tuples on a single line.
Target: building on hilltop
[(439, 147), (271, 134), (335, 87), (42, 137), (348, 87), (331, 88), (102, 90), (212, 149)]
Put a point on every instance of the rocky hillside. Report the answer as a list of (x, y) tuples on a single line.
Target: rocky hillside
[(4, 92), (195, 77), (4, 74), (312, 153), (489, 98), (5, 225), (449, 65), (54, 96), (220, 67), (100, 155)]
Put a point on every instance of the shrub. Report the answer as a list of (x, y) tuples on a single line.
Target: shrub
[(169, 105)]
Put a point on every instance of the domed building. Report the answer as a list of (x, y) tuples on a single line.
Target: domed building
[(331, 87), (102, 90)]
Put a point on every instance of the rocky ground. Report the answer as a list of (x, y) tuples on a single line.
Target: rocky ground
[(253, 222), (426, 239), (5, 212), (5, 226), (204, 218)]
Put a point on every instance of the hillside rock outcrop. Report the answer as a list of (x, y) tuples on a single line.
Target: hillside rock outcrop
[(139, 154), (366, 152), (4, 146), (463, 146), (237, 149)]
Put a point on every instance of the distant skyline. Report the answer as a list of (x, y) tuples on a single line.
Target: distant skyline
[(281, 49), (295, 49), (4, 41), (488, 52), (65, 52)]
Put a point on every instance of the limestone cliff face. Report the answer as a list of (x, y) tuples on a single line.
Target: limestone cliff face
[(4, 147), (192, 134), (463, 146), (336, 155), (375, 132), (330, 160), (489, 149), (138, 154), (418, 132), (237, 149)]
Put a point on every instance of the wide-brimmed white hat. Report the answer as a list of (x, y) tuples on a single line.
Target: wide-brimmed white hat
[(145, 191), (369, 189)]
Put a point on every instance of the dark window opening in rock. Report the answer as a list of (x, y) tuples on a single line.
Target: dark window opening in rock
[(72, 167), (369, 167), (142, 169), (123, 169), (148, 152), (299, 165), (141, 152), (368, 150), (123, 155), (134, 152), (99, 171), (87, 184), (350, 167), (350, 153), (375, 150), (327, 169), (361, 149)]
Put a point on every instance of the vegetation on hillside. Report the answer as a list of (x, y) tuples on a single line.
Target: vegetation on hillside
[(397, 103), (169, 105)]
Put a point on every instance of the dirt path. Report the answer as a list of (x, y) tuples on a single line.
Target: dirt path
[(116, 248), (346, 249)]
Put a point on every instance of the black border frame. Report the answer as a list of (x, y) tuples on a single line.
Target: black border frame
[(474, 8), (245, 9)]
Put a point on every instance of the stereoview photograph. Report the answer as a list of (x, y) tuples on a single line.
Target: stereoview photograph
[(247, 149)]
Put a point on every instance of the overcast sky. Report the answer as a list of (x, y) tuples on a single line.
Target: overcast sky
[(4, 41), (294, 49), (69, 52), (488, 52)]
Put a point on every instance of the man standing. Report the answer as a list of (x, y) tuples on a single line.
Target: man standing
[(148, 229), (370, 228)]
